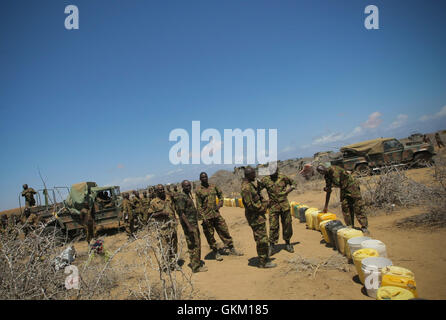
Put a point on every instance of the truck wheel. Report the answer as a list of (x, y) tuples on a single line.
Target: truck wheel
[(56, 233), (422, 159), (363, 169)]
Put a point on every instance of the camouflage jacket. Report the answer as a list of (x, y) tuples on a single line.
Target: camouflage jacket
[(145, 203), (29, 194), (340, 178), (136, 205), (207, 201), (160, 205), (126, 208), (252, 199), (278, 200), (185, 205)]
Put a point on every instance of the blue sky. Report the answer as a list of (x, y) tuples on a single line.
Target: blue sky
[(99, 103)]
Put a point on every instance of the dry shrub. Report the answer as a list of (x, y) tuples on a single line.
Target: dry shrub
[(391, 187), (28, 271), (159, 281)]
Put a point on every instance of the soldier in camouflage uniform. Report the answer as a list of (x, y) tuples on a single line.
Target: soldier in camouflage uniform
[(129, 219), (351, 200), (87, 218), (188, 214), (162, 211), (137, 209), (30, 220), (255, 210), (145, 203), (279, 208), (206, 196)]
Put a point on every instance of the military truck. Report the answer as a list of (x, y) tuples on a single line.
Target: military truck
[(371, 155), (63, 217)]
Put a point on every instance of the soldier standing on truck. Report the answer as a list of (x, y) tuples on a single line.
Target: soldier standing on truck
[(145, 203), (351, 200), (279, 208), (29, 219), (438, 140), (206, 196)]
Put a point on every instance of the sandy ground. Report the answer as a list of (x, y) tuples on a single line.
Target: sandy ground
[(419, 250)]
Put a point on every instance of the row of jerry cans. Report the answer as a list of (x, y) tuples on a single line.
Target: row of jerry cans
[(232, 202), (384, 281)]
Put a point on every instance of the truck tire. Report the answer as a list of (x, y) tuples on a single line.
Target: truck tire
[(363, 169), (56, 233), (422, 159)]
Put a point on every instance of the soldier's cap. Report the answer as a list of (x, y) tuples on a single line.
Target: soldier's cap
[(326, 165)]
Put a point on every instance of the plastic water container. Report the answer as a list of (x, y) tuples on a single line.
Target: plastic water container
[(302, 210), (399, 277), (315, 225), (347, 236), (393, 293), (371, 268), (240, 203), (334, 235), (325, 216), (340, 235), (354, 244), (358, 256), (328, 227), (324, 230), (377, 245), (292, 204), (309, 217)]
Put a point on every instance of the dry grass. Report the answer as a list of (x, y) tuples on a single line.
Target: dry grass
[(311, 266)]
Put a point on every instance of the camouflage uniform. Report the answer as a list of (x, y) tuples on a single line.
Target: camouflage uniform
[(129, 219), (145, 203), (351, 199), (87, 219), (279, 206), (29, 197), (137, 210), (212, 219), (255, 215), (185, 205), (168, 229)]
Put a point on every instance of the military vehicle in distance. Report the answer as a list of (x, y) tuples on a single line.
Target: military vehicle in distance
[(371, 155), (63, 217)]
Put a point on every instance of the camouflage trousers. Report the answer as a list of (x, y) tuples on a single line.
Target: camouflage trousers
[(257, 222), (356, 207), (129, 223), (193, 245), (287, 228), (218, 224), (89, 227)]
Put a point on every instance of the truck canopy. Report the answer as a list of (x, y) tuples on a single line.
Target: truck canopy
[(366, 147), (78, 195)]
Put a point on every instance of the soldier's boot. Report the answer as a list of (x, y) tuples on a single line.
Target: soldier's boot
[(234, 252), (218, 256), (271, 249), (268, 265), (201, 269), (365, 231), (289, 247)]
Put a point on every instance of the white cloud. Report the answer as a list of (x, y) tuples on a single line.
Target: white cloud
[(401, 119), (439, 114), (373, 121), (288, 148), (135, 181), (335, 137)]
